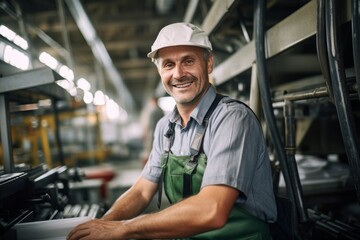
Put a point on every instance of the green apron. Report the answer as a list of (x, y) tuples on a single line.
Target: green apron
[(182, 177)]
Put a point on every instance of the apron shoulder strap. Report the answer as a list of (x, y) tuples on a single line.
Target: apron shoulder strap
[(169, 137), (196, 146), (197, 141), (199, 135)]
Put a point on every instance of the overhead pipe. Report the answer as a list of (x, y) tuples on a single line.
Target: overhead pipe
[(41, 34), (341, 94), (164, 6), (243, 28), (101, 54), (23, 29), (190, 10), (308, 94), (291, 181), (356, 41), (65, 33)]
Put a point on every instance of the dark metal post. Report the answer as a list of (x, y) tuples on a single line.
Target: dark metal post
[(290, 148), (5, 130)]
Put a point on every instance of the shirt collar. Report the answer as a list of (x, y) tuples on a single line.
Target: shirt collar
[(198, 114)]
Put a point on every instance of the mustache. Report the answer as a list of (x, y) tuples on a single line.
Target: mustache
[(183, 79)]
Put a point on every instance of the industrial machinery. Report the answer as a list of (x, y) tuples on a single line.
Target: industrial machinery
[(34, 192), (301, 73)]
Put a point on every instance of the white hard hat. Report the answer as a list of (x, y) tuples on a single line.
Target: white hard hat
[(180, 34)]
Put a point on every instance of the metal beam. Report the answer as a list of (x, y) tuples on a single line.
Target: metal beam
[(190, 11), (5, 131), (216, 13), (28, 79), (295, 28)]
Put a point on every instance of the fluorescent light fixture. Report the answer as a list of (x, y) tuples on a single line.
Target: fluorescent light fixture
[(83, 84), (88, 97), (99, 98), (48, 60), (112, 109), (12, 36), (73, 91), (16, 58), (51, 62), (106, 97), (99, 51), (8, 33), (66, 72), (123, 115), (66, 84), (21, 42)]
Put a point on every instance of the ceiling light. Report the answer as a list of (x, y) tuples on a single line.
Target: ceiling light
[(12, 36), (83, 84), (99, 98), (48, 60), (88, 97), (66, 72), (16, 58)]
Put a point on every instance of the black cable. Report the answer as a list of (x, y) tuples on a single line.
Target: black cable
[(321, 47), (259, 35), (356, 40), (341, 95)]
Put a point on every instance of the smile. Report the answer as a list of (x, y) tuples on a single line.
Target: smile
[(183, 85)]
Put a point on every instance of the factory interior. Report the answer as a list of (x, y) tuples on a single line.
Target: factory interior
[(76, 84)]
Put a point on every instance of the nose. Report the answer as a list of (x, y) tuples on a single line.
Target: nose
[(178, 71)]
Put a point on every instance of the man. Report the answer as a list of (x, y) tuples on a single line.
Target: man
[(216, 176), (151, 114)]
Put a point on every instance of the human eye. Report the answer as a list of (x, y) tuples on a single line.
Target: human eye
[(168, 65), (189, 61)]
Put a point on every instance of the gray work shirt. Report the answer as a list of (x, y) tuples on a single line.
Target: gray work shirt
[(235, 149)]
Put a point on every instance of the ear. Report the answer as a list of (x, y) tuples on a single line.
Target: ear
[(210, 63), (157, 64)]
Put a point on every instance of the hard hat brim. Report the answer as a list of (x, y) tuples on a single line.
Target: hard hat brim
[(152, 54)]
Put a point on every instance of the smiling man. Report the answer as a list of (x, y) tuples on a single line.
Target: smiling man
[(209, 157)]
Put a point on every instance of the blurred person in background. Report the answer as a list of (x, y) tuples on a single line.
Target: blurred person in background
[(152, 114)]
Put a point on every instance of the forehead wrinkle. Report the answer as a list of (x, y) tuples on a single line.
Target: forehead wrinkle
[(179, 53), (179, 57)]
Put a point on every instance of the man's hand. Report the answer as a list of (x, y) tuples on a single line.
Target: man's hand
[(96, 229), (200, 213)]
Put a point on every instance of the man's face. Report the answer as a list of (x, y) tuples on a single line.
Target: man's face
[(184, 73)]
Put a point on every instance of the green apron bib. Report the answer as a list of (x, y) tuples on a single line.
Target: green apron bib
[(182, 177), (240, 225)]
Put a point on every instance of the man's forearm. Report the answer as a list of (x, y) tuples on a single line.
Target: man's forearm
[(125, 208), (189, 217), (203, 212), (132, 202)]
